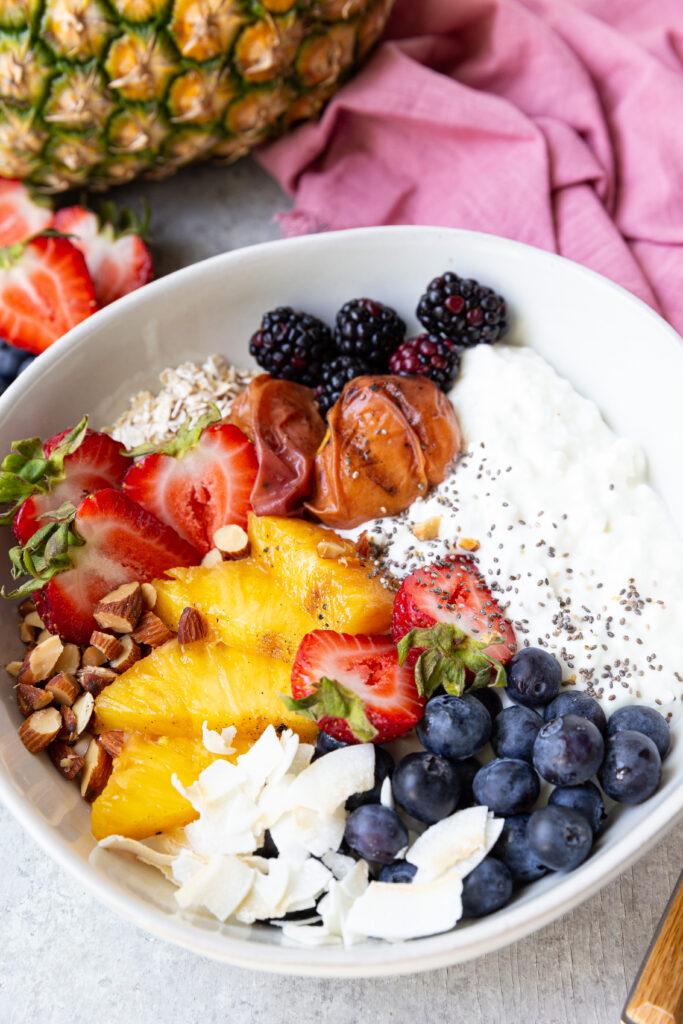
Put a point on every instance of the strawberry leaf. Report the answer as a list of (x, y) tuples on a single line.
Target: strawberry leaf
[(330, 699), (46, 553), (186, 438), (27, 470), (448, 655)]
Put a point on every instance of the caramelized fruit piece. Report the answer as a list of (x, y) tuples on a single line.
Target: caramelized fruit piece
[(139, 799), (340, 593), (242, 605), (175, 689)]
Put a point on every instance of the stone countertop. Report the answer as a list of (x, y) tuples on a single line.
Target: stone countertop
[(65, 958)]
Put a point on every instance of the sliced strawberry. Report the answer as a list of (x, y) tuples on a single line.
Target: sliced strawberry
[(109, 541), (118, 261), (200, 481), (354, 687), (78, 462), (45, 290), (447, 624), (21, 213)]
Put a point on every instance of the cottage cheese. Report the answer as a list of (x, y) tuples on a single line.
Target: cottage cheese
[(575, 544)]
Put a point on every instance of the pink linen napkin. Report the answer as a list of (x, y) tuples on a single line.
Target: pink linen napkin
[(555, 122)]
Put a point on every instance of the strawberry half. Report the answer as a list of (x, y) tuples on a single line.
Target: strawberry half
[(354, 687), (21, 213), (45, 290), (36, 478), (198, 482), (117, 257), (83, 554), (447, 624)]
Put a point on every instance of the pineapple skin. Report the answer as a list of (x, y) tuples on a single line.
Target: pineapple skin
[(242, 605), (175, 689), (94, 93)]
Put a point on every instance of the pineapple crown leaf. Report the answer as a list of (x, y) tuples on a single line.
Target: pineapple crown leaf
[(46, 553), (187, 437), (27, 470), (448, 654), (329, 699)]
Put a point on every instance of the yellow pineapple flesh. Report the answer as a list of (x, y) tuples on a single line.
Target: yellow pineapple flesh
[(342, 592), (242, 604), (176, 688), (139, 799)]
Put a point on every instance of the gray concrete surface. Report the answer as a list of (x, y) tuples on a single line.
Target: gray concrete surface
[(64, 958)]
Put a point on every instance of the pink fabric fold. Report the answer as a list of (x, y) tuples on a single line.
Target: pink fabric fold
[(555, 122)]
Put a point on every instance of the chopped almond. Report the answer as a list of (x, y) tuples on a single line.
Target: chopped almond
[(151, 631), (121, 609), (93, 657), (192, 626), (34, 619), (83, 709), (63, 688), (149, 595), (332, 549), (95, 772), (27, 634), (27, 606), (65, 759), (13, 668), (69, 730), (468, 544), (95, 679), (130, 653), (39, 729), (113, 741), (428, 530), (109, 646), (69, 660), (363, 545), (32, 698), (212, 558), (40, 662), (232, 541)]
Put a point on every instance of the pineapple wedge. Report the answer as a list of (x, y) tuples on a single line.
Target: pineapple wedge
[(139, 799), (175, 689), (242, 604), (338, 592)]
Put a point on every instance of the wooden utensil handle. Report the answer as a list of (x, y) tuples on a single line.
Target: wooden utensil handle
[(657, 993)]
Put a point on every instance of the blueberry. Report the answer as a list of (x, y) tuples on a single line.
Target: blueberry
[(268, 849), (5, 383), (455, 727), (568, 750), (487, 888), (560, 837), (397, 871), (632, 767), (489, 696), (533, 677), (384, 766), (507, 786), (376, 833), (427, 786), (10, 360), (467, 769), (573, 702), (25, 363), (638, 718), (585, 798), (514, 850), (325, 744), (514, 732)]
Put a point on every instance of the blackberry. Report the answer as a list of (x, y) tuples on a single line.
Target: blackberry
[(334, 375), (462, 309), (292, 345), (368, 330), (429, 355)]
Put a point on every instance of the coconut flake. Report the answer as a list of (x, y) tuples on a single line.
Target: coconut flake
[(327, 783), (407, 910), (218, 742), (458, 842), (219, 886), (386, 794)]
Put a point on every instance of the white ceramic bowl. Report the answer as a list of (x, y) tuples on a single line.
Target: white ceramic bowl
[(612, 347)]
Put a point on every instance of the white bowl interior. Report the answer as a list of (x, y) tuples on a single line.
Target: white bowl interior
[(613, 349)]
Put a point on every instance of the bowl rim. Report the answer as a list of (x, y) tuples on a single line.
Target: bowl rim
[(366, 959)]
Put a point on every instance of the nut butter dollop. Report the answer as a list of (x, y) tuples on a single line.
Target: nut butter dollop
[(389, 439), (283, 421)]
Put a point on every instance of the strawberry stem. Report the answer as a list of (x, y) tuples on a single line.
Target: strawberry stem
[(448, 655), (186, 438), (329, 699), (46, 553), (27, 470)]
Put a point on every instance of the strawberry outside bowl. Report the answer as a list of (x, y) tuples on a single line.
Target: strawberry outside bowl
[(608, 344)]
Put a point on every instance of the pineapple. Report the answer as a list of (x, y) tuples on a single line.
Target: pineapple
[(100, 91), (242, 604), (139, 799), (340, 591), (175, 689)]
